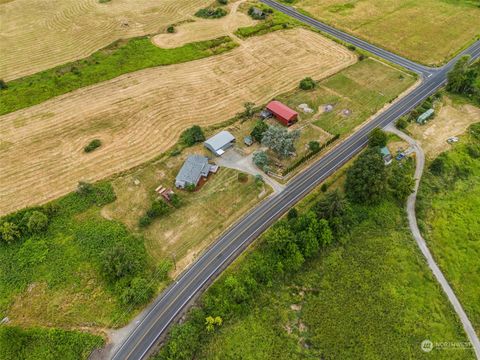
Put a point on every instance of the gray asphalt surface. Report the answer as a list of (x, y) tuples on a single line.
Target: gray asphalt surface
[(231, 244), (412, 221)]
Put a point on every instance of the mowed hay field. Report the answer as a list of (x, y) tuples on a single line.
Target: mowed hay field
[(429, 31), (140, 115), (37, 35)]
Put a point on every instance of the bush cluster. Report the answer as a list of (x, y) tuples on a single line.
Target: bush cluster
[(307, 84), (158, 209), (309, 155), (192, 136), (92, 145), (211, 13)]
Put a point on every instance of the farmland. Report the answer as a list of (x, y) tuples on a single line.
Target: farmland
[(137, 116), (56, 32), (428, 31)]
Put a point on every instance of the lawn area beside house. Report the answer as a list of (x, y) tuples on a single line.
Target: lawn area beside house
[(202, 216), (427, 31), (449, 212)]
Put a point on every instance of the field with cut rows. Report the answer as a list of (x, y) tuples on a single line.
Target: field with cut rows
[(37, 35), (140, 115)]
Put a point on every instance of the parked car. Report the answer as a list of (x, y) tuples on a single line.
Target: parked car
[(452, 139), (400, 156)]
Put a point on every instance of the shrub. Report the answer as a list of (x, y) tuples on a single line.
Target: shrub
[(401, 123), (37, 222), (474, 130), (3, 84), (324, 187), (92, 145), (307, 84), (437, 167), (138, 292), (292, 214), (84, 188), (144, 221), (171, 29), (211, 13), (222, 2), (361, 57), (9, 232), (190, 187), (260, 159), (118, 262), (258, 130), (474, 151), (377, 137), (249, 110), (157, 209), (351, 47), (192, 136), (242, 177), (314, 146)]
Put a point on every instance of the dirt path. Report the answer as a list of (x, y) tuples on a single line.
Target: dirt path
[(140, 115), (412, 221)]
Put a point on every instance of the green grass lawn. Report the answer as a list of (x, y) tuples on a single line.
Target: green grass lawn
[(119, 58), (54, 278), (371, 298), (449, 212), (363, 89), (428, 31), (45, 344)]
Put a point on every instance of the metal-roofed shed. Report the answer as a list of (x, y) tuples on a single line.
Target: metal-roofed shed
[(219, 142)]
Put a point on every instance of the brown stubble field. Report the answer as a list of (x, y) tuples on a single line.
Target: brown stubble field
[(37, 35), (140, 115)]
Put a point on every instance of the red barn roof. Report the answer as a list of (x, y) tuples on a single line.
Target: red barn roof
[(282, 110)]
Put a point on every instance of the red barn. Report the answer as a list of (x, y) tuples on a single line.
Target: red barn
[(282, 112)]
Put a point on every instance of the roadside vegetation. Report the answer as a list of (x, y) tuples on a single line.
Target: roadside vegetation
[(45, 344), (340, 266), (427, 31), (63, 264), (117, 59), (448, 207)]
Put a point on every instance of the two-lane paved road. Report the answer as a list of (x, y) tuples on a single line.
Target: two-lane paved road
[(240, 235)]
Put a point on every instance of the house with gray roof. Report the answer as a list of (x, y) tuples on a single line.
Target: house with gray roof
[(192, 171), (220, 142)]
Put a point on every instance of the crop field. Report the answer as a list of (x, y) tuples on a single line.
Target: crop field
[(204, 29), (42, 34), (138, 116), (428, 31)]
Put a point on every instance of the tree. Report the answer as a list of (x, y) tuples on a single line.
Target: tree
[(462, 78), (92, 145), (401, 182), (280, 140), (307, 84), (3, 84), (367, 178), (314, 146), (118, 262), (212, 322), (192, 136), (260, 159), (377, 137), (281, 241), (138, 292), (171, 29), (401, 123), (258, 130), (249, 110), (292, 214), (237, 291), (9, 232), (437, 167), (37, 222)]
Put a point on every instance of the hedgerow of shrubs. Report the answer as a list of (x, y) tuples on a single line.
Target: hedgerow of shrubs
[(211, 13)]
